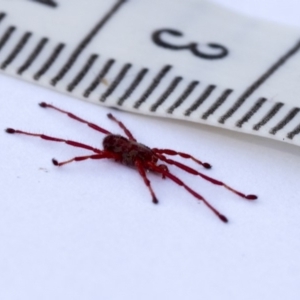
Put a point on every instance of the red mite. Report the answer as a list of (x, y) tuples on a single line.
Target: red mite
[(127, 151)]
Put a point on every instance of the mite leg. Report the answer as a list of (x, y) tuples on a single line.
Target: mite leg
[(127, 132), (212, 180), (181, 154), (191, 191), (164, 168), (81, 158), (142, 172), (54, 139), (72, 116)]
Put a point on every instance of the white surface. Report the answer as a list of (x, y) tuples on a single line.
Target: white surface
[(89, 230)]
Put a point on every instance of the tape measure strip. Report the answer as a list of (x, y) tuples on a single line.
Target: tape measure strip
[(66, 67), (139, 89)]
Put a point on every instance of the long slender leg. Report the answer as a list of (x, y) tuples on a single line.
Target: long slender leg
[(54, 139), (81, 158), (191, 191), (142, 172), (72, 116), (212, 180), (127, 132), (181, 154)]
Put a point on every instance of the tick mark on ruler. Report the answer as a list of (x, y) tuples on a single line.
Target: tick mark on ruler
[(200, 100), (50, 3), (253, 87), (23, 41), (156, 81), (82, 72), (254, 109), (33, 56), (82, 45), (57, 50), (137, 80), (289, 117), (294, 132), (272, 112), (2, 16), (166, 94), (217, 104), (185, 94), (116, 82), (8, 33), (99, 78)]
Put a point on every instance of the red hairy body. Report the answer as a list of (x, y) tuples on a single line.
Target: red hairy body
[(127, 151)]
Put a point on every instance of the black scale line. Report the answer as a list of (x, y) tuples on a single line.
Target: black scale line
[(156, 81), (184, 96), (49, 62), (254, 86), (200, 100), (18, 48), (38, 49), (115, 83), (294, 132), (2, 16), (99, 78), (82, 45), (289, 117), (254, 109), (6, 36), (170, 89), (90, 62), (47, 2), (137, 80), (273, 111), (217, 104)]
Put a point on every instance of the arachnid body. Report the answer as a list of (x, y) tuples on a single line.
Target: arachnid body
[(128, 151)]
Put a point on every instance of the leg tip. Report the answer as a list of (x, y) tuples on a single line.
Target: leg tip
[(10, 130), (207, 166), (155, 200), (251, 197), (223, 218), (55, 162), (43, 104)]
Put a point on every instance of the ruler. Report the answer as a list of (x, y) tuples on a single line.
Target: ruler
[(184, 59)]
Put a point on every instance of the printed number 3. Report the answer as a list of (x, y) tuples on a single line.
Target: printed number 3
[(193, 47)]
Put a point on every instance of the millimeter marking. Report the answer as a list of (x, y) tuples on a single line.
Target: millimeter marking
[(254, 109), (289, 117), (200, 100), (273, 111), (185, 94), (131, 85), (67, 66), (6, 36), (217, 104), (156, 81), (23, 41), (250, 90), (83, 71), (33, 55), (116, 82), (172, 86), (57, 50), (99, 78)]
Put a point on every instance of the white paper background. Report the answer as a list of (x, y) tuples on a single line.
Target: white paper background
[(89, 230)]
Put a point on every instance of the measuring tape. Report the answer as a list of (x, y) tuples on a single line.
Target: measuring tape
[(184, 59)]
